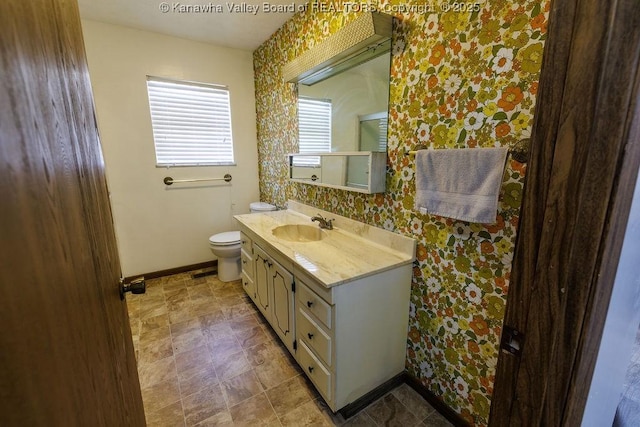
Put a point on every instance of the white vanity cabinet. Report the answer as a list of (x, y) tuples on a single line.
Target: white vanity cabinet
[(340, 304), (352, 338), (248, 266), (274, 286)]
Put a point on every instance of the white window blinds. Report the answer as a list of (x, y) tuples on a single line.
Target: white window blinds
[(314, 129), (191, 123)]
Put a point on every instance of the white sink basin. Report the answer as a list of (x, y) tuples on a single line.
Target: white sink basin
[(298, 233)]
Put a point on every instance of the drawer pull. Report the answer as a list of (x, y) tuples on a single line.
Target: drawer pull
[(310, 368), (245, 283), (243, 242), (309, 304), (310, 335), (244, 261)]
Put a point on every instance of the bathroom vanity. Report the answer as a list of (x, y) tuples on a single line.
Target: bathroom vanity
[(338, 299)]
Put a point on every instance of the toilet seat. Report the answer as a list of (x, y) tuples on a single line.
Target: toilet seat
[(227, 238), (261, 207)]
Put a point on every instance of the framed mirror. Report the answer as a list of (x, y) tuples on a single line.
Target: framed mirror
[(343, 101)]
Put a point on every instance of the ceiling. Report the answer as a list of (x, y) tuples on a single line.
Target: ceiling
[(240, 24)]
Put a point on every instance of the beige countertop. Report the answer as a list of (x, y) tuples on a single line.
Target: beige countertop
[(350, 251)]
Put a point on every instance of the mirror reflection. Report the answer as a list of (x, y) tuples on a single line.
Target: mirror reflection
[(348, 111), (356, 171)]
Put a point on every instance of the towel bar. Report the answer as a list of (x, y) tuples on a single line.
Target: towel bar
[(168, 180), (519, 152)]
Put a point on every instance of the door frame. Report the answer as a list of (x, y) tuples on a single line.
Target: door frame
[(579, 186)]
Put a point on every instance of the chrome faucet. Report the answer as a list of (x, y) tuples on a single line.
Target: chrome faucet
[(322, 222)]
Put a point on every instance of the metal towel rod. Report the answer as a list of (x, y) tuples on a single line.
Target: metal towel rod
[(519, 151), (168, 180)]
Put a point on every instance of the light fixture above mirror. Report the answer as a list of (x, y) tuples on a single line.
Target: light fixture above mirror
[(363, 39)]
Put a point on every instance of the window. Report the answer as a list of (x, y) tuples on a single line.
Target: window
[(191, 123), (314, 129)]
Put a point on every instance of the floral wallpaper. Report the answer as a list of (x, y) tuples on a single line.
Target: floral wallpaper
[(458, 79)]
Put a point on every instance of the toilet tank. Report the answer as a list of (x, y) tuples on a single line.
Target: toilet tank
[(261, 207)]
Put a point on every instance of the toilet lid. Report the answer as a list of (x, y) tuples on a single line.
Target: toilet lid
[(226, 238), (261, 206)]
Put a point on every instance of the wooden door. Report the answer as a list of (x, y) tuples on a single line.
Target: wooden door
[(282, 282), (578, 191), (66, 353)]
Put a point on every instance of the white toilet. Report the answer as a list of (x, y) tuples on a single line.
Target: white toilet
[(226, 246)]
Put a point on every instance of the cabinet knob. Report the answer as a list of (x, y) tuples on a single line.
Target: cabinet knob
[(310, 368), (310, 335), (309, 304), (244, 261), (244, 283)]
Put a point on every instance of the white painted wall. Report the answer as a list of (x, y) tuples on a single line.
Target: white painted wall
[(160, 227)]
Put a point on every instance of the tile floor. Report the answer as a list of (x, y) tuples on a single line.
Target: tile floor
[(206, 357)]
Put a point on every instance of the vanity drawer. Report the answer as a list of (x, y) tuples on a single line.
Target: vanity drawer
[(247, 244), (247, 263), (314, 369), (248, 285), (314, 304), (314, 336)]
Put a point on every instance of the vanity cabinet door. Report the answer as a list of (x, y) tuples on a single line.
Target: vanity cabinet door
[(283, 312), (249, 286), (262, 278)]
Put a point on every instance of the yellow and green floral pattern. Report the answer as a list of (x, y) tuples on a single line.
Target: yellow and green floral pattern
[(462, 75)]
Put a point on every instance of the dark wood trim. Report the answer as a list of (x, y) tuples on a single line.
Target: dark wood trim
[(614, 233), (578, 190), (435, 401), (358, 405), (176, 270)]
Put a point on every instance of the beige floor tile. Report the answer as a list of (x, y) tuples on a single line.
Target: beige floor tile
[(198, 379), (359, 420), (255, 411), (230, 365), (160, 395), (152, 323), (305, 415), (192, 361), (188, 341), (155, 350), (230, 300), (171, 415), (238, 311), (156, 334), (243, 323), (221, 419), (389, 411), (206, 356), (252, 336), (290, 395), (413, 401), (157, 372), (203, 404), (436, 420), (210, 320), (275, 372), (241, 387), (261, 353), (152, 310), (223, 345)]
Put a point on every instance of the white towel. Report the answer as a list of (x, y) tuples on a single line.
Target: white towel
[(460, 183)]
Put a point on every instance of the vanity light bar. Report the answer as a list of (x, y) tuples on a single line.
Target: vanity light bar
[(370, 29), (369, 53)]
